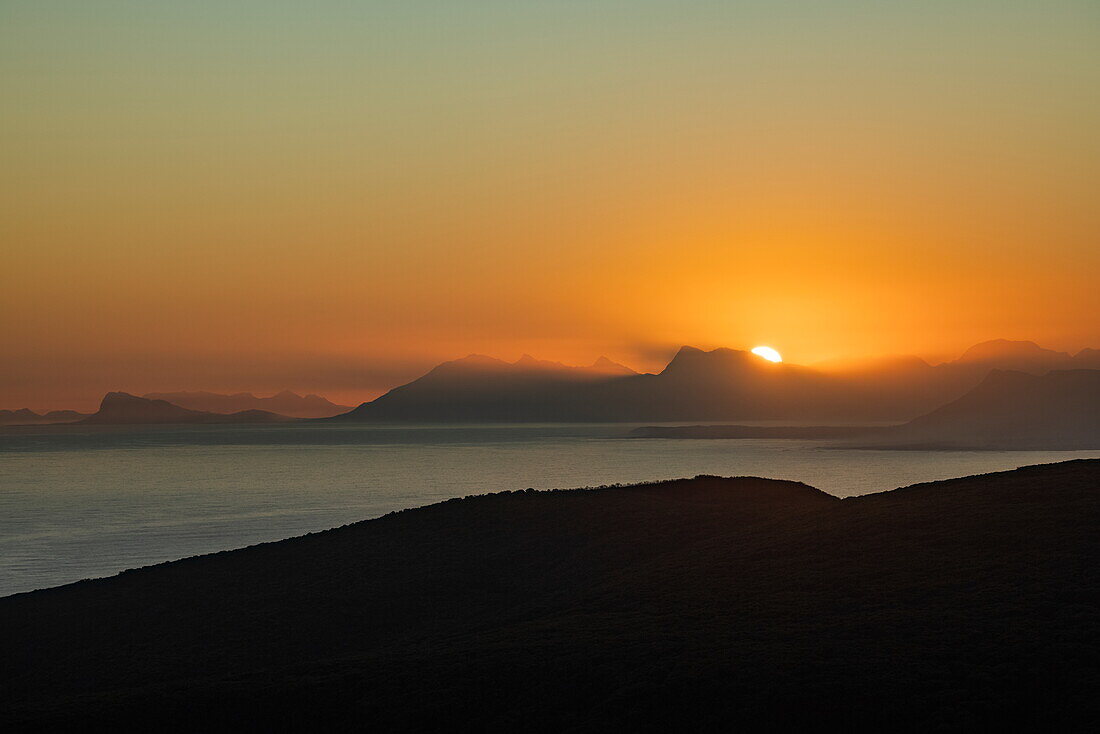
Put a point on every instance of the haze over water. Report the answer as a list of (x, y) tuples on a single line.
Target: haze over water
[(80, 502)]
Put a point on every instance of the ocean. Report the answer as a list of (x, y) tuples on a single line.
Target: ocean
[(87, 501)]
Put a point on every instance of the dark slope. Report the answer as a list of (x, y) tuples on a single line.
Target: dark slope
[(1086, 359), (1057, 410), (697, 604), (119, 408)]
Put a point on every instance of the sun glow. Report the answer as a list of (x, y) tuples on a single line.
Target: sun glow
[(767, 353)]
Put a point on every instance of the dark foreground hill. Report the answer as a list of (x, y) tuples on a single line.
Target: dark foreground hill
[(705, 604)]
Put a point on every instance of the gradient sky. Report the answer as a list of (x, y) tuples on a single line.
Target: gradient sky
[(333, 196)]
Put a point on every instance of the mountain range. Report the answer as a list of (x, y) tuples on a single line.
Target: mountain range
[(186, 407), (717, 385), (478, 388), (1008, 409), (705, 604), (1059, 410), (285, 403), (1025, 356), (27, 417), (714, 386), (123, 408)]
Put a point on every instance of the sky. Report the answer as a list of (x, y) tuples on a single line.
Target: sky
[(332, 196)]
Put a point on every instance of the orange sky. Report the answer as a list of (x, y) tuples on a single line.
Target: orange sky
[(244, 198)]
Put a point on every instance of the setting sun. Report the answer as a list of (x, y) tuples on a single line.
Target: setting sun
[(767, 353)]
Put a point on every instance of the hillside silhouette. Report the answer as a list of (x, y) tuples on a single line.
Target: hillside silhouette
[(1010, 409), (1026, 356), (695, 604), (284, 403), (1058, 410), (121, 408), (697, 385), (478, 387), (27, 417)]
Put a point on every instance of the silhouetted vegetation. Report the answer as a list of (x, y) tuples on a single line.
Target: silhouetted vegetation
[(701, 604)]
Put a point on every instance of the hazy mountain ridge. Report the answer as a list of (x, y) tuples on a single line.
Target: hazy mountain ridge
[(121, 408), (696, 385), (1010, 409), (478, 387), (1026, 356), (284, 403), (686, 604), (1057, 411), (27, 417)]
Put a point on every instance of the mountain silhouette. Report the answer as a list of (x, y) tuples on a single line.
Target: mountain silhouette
[(1011, 409), (697, 385), (123, 408), (478, 387), (23, 416), (695, 604), (1023, 356), (284, 403), (1086, 359), (1059, 410)]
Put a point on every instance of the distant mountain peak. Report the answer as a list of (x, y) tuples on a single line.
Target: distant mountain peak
[(1013, 408), (123, 408), (722, 358), (1000, 349), (477, 359), (286, 403), (26, 416), (1086, 358), (607, 366), (530, 362), (124, 398)]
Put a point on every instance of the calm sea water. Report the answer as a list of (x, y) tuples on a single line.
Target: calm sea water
[(91, 501)]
